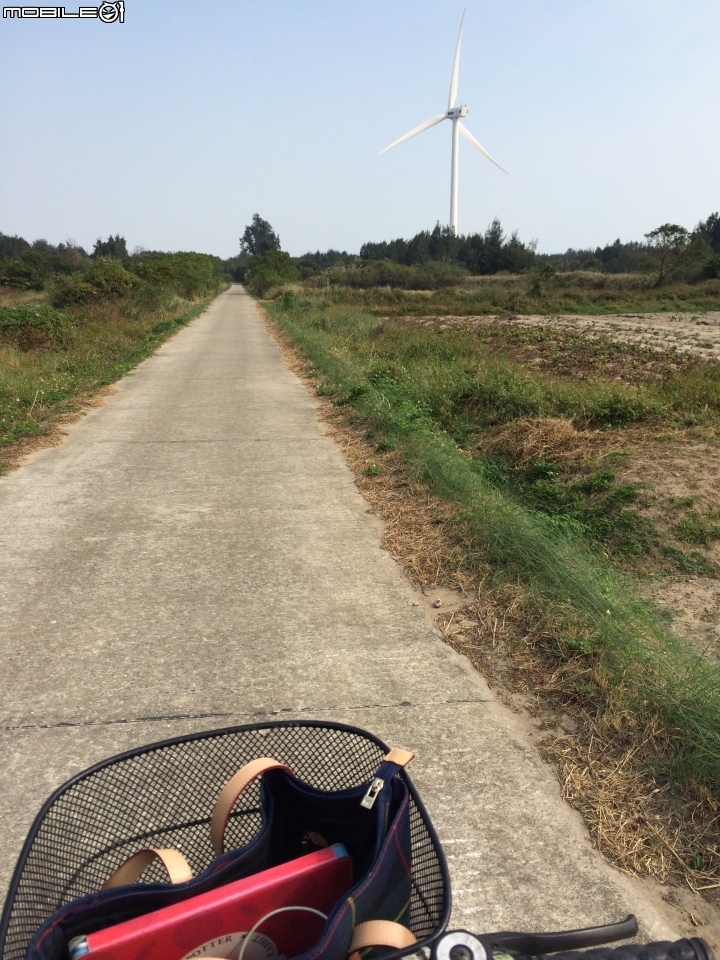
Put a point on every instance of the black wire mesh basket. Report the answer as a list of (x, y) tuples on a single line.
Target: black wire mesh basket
[(161, 795)]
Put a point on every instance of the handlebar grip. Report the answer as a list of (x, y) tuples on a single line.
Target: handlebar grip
[(693, 949)]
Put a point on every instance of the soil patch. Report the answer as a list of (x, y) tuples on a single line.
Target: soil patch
[(679, 475), (696, 335)]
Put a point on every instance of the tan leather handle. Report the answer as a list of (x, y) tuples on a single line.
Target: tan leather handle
[(178, 869), (230, 794), (375, 933), (401, 757), (379, 933)]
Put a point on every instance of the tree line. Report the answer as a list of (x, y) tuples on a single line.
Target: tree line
[(669, 247), (429, 260), (75, 276), (488, 253), (439, 257)]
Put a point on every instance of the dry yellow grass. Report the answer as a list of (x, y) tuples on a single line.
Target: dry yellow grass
[(524, 440)]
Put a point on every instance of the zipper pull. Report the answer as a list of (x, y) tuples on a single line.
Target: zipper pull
[(371, 796)]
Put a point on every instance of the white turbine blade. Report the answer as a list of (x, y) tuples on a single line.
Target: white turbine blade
[(456, 65), (471, 139), (423, 126)]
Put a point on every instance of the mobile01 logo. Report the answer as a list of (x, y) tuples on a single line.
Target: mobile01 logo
[(107, 12)]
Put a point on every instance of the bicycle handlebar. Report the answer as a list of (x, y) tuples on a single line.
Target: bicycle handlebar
[(463, 945), (693, 949)]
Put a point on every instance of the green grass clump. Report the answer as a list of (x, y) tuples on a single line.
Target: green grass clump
[(688, 561), (425, 393), (465, 387), (694, 392), (698, 527), (50, 357), (594, 507), (28, 326)]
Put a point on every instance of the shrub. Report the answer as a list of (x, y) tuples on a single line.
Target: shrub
[(105, 280), (384, 273), (31, 269), (23, 275), (149, 279), (32, 327), (190, 275), (270, 270)]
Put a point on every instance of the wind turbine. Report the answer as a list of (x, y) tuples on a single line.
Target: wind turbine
[(453, 113)]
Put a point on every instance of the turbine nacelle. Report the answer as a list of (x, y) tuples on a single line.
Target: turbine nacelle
[(456, 113)]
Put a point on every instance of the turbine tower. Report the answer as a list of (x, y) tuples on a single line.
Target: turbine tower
[(453, 113)]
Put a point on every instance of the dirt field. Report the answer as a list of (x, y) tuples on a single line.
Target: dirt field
[(683, 470), (697, 334), (678, 472)]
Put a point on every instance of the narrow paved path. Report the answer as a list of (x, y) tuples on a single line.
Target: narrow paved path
[(197, 555)]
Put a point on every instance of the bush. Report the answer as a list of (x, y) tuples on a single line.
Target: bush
[(22, 275), (272, 269), (190, 275), (384, 273), (74, 289), (32, 327), (105, 280), (28, 271), (150, 279), (32, 268)]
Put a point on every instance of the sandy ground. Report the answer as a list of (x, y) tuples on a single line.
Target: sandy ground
[(685, 332), (683, 468)]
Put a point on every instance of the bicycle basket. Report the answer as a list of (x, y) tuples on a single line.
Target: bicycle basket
[(161, 795)]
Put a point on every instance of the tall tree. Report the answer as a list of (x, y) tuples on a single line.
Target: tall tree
[(259, 238), (709, 230), (12, 246), (672, 246), (114, 247)]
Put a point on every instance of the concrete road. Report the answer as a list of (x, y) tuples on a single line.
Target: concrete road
[(197, 555)]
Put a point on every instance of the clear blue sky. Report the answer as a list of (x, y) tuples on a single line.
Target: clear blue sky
[(176, 126)]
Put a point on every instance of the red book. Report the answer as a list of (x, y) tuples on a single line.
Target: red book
[(214, 924)]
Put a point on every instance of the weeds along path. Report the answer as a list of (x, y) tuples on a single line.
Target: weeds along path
[(196, 555), (508, 483), (61, 346)]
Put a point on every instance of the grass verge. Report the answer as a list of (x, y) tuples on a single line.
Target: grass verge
[(506, 294), (51, 360), (604, 650)]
